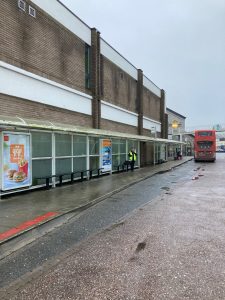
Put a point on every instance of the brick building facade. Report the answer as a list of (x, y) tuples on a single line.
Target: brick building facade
[(54, 68)]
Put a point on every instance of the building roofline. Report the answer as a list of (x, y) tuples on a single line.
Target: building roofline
[(73, 13), (17, 123), (174, 112)]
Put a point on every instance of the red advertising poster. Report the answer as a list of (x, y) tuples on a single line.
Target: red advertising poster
[(16, 161)]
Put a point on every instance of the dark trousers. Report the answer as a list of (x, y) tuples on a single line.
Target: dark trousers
[(132, 165)]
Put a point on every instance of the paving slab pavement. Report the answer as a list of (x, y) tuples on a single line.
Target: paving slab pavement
[(23, 212), (171, 248)]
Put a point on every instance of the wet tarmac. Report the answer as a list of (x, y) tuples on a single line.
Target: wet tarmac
[(42, 247), (170, 248), (16, 210)]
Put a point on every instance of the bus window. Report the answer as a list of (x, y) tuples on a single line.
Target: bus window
[(205, 133)]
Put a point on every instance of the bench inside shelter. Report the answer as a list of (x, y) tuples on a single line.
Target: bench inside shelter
[(90, 175)]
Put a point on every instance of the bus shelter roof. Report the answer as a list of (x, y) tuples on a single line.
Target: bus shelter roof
[(24, 123)]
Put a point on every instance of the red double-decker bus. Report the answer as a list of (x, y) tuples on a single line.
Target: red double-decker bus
[(205, 145)]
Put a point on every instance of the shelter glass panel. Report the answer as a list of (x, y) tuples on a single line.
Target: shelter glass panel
[(41, 144), (94, 163), (79, 164), (63, 144), (119, 152), (79, 145), (122, 146), (63, 165), (115, 146), (41, 168), (93, 145)]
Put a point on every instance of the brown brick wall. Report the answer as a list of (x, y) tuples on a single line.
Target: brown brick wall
[(41, 45), (164, 131), (147, 132), (118, 127), (44, 47), (119, 88), (147, 153), (12, 106), (151, 105), (147, 149), (166, 126)]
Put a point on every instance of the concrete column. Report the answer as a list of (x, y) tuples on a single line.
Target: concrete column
[(95, 78)]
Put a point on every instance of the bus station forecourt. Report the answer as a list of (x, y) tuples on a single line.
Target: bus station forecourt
[(23, 212)]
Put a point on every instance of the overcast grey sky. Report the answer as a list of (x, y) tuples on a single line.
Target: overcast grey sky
[(179, 44)]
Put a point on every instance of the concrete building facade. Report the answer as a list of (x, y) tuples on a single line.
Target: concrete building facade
[(177, 132)]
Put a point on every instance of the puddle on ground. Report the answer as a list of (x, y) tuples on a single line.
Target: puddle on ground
[(165, 188), (140, 246)]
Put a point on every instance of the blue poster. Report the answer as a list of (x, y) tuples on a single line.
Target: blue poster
[(106, 155), (16, 161)]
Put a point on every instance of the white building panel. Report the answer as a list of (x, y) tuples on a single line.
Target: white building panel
[(114, 113), (151, 86), (151, 124), (19, 83), (118, 59), (61, 14)]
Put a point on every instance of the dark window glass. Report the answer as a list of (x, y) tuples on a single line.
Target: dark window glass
[(87, 66), (205, 133)]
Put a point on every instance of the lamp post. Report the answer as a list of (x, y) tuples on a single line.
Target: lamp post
[(174, 126)]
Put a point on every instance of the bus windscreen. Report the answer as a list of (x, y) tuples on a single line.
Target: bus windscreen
[(205, 133)]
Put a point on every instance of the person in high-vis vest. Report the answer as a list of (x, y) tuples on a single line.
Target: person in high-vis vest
[(132, 155)]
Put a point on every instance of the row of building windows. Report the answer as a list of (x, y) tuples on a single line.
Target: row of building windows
[(31, 10)]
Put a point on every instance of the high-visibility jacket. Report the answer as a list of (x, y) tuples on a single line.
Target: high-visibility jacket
[(132, 156)]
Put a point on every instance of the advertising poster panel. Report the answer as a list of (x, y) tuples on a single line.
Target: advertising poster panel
[(106, 155), (16, 160)]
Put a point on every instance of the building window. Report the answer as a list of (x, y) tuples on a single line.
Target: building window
[(101, 76), (87, 66), (22, 5), (32, 12)]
